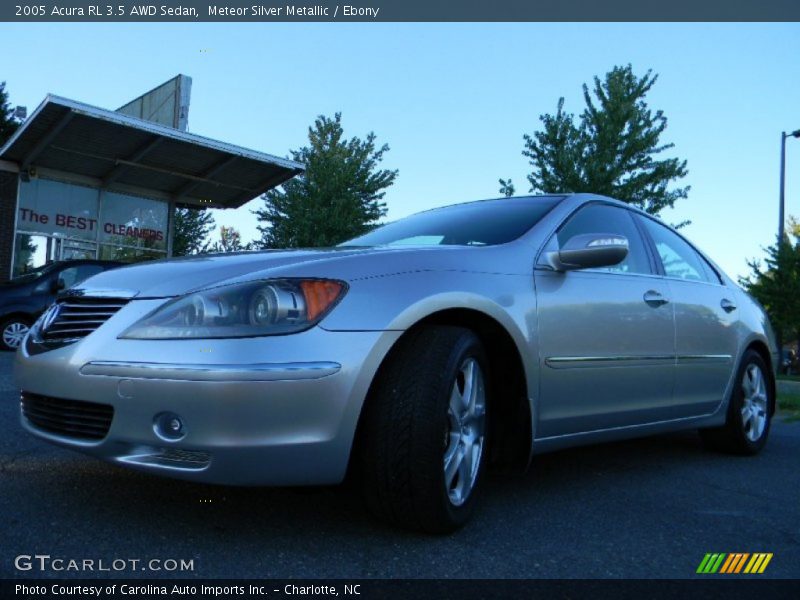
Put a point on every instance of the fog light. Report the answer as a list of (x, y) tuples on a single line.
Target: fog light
[(169, 426)]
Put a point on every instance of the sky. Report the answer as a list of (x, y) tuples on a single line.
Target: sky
[(453, 100)]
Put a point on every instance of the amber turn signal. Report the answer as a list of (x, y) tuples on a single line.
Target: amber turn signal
[(319, 296)]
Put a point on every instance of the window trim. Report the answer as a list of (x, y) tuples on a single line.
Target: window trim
[(652, 252), (720, 281)]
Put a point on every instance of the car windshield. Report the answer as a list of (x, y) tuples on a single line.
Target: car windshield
[(484, 223)]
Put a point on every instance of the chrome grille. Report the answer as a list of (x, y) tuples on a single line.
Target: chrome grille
[(79, 316), (69, 418)]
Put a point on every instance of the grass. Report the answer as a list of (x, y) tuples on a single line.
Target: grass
[(789, 404), (788, 377)]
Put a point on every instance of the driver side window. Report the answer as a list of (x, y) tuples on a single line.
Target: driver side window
[(601, 218)]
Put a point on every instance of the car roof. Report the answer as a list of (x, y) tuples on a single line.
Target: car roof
[(560, 197)]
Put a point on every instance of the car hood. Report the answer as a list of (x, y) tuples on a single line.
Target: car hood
[(172, 277)]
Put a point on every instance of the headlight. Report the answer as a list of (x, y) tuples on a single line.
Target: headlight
[(273, 307)]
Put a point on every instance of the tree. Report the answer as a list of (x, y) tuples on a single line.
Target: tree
[(192, 227), (506, 187), (777, 286), (8, 125), (230, 240), (338, 197), (23, 254), (612, 149)]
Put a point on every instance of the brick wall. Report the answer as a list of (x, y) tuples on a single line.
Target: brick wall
[(8, 206)]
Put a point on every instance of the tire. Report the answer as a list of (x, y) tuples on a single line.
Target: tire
[(12, 330), (750, 410), (422, 462)]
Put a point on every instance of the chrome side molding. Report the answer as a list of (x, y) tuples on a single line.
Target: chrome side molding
[(212, 372)]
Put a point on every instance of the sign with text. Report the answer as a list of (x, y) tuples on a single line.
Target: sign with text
[(401, 11), (49, 207)]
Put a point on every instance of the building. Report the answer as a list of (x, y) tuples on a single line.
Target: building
[(77, 181)]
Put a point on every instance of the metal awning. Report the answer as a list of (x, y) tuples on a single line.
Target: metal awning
[(117, 150)]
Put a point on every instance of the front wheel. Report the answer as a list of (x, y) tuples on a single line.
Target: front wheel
[(425, 430), (749, 411), (12, 332)]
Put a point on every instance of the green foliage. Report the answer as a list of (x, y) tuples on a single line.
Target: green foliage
[(611, 149), (192, 227), (230, 240), (7, 123), (777, 285), (506, 187), (789, 404), (337, 198)]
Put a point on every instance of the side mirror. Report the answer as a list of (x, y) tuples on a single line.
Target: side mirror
[(589, 251)]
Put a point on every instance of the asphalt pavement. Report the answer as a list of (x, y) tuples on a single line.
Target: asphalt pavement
[(649, 508)]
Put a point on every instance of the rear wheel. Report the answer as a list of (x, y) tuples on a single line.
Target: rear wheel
[(425, 431), (12, 332), (749, 410)]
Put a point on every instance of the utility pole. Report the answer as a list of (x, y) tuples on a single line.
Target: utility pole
[(782, 206)]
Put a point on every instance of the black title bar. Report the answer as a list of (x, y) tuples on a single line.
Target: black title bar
[(709, 588), (398, 10)]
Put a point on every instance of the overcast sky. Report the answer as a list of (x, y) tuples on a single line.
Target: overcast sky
[(453, 100)]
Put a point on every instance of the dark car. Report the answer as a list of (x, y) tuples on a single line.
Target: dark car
[(25, 297)]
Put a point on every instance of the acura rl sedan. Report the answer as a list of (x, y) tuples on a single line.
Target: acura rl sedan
[(410, 358)]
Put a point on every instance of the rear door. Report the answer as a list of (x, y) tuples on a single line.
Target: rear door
[(705, 315), (606, 336)]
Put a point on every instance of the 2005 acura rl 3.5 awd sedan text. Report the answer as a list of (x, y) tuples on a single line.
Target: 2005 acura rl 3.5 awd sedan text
[(411, 356)]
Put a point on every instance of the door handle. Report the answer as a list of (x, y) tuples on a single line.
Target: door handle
[(727, 305), (654, 298)]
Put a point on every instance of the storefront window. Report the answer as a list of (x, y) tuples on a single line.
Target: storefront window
[(53, 207), (30, 252), (34, 251), (131, 221), (76, 250), (128, 254), (64, 221)]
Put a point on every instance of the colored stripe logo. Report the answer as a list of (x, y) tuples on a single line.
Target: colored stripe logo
[(734, 562)]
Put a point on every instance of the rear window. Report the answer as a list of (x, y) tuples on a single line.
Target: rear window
[(483, 223)]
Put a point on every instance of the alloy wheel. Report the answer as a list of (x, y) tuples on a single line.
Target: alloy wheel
[(754, 404), (465, 433), (14, 333)]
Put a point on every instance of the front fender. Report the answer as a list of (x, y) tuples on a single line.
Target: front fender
[(398, 302)]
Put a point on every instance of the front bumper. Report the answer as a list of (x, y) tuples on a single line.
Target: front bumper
[(276, 410)]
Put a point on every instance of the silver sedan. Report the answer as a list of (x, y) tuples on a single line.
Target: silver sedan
[(410, 357)]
